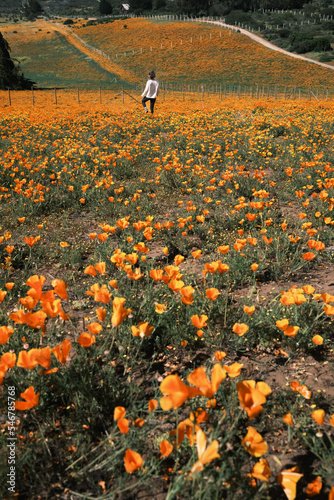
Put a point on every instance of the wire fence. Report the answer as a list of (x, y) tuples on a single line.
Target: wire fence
[(169, 92)]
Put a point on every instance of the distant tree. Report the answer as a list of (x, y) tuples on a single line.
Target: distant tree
[(10, 75), (31, 8), (194, 6), (140, 5), (105, 8)]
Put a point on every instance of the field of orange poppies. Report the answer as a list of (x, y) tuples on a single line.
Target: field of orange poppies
[(167, 299)]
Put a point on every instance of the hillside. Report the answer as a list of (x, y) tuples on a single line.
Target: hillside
[(191, 54)]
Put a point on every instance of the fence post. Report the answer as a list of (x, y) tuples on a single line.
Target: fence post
[(32, 95), (9, 99), (78, 97), (100, 96), (123, 94), (55, 95)]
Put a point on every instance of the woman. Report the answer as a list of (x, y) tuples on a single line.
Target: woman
[(151, 91)]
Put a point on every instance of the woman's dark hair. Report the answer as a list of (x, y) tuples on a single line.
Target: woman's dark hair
[(152, 74)]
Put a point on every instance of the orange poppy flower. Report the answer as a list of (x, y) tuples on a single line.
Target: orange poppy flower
[(205, 454), (152, 404), (9, 286), (119, 412), (100, 267), (119, 313), (249, 310), (318, 416), (8, 359), (252, 396), (123, 425), (302, 389), (308, 256), (139, 422), (282, 324), (240, 328), (314, 487), (132, 461), (224, 249), (86, 339), (28, 359), (178, 259), (327, 298), (43, 357), (31, 398), (261, 470), (253, 443), (308, 289), (186, 293), (212, 266), (288, 419), (36, 283), (329, 310), (102, 237), (156, 274), (317, 339), (251, 217), (222, 268), (132, 258), (176, 285), (199, 321), (90, 270), (62, 351), (175, 392), (266, 240), (196, 254), (94, 328), (143, 330), (199, 379), (101, 314), (31, 241), (233, 370), (60, 288), (291, 331), (140, 247), (5, 333), (288, 479), (212, 293), (166, 448), (219, 355), (160, 308)]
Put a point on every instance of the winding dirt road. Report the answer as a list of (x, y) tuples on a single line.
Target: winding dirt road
[(270, 45)]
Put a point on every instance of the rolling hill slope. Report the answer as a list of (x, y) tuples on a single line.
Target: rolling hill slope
[(180, 52)]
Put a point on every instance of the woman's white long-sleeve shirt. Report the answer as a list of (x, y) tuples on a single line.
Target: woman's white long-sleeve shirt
[(151, 90)]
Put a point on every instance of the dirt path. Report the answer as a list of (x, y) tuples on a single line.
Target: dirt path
[(97, 55), (269, 45)]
